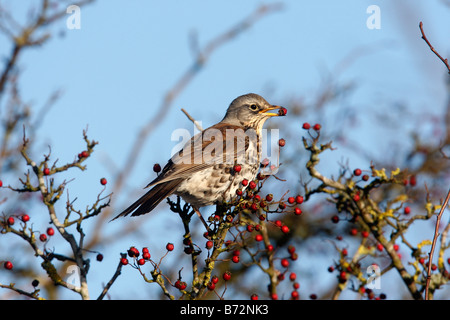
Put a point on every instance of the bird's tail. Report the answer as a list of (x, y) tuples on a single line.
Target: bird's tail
[(151, 199)]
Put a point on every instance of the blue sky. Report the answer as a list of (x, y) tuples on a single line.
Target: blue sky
[(115, 70)]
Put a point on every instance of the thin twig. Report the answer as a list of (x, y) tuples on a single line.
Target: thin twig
[(433, 245), (424, 37)]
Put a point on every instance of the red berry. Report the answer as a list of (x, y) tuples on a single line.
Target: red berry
[(235, 259), (141, 261), (249, 228), (317, 127), (379, 247), (335, 219), (269, 197), (282, 206), (407, 210), (344, 252), (46, 171), (133, 252), (296, 285), (8, 265), (291, 200), (299, 199), (124, 261), (99, 257), (365, 233), (258, 237), (10, 221), (294, 295), (281, 142), (354, 231), (156, 167), (306, 126), (365, 177), (357, 172), (292, 276), (181, 285), (237, 168), (211, 286), (25, 218), (291, 249), (239, 192), (146, 255), (169, 246), (252, 185), (356, 198), (254, 296), (43, 237), (412, 180), (209, 244), (50, 231), (278, 223), (396, 247), (298, 211), (270, 248), (103, 181), (226, 276), (244, 182), (1, 183), (343, 275), (282, 111), (285, 229), (274, 296), (145, 249)]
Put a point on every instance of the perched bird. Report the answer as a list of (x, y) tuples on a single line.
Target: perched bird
[(211, 166)]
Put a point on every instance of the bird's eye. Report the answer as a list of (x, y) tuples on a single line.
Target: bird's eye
[(254, 107)]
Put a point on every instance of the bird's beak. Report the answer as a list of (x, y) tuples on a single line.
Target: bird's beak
[(281, 111)]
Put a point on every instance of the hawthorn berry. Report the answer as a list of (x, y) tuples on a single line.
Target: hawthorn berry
[(365, 177), (146, 255), (274, 296), (124, 261), (317, 127), (133, 252), (258, 237), (141, 261), (10, 221), (284, 263), (215, 279), (296, 285), (269, 197), (43, 237), (353, 231), (103, 181), (291, 200), (282, 111), (237, 168), (407, 210), (50, 231), (285, 229), (249, 227), (209, 244), (357, 172), (244, 182), (99, 257), (211, 286), (270, 248), (226, 276), (294, 294), (252, 185), (335, 219), (356, 198), (365, 233), (291, 249), (156, 167), (46, 171), (379, 247), (282, 206), (396, 247), (181, 285), (169, 246), (306, 126), (8, 265), (297, 211), (281, 142), (239, 192), (235, 259), (25, 218), (299, 199), (1, 183), (254, 297), (292, 276)]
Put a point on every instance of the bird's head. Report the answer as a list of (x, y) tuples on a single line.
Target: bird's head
[(251, 111)]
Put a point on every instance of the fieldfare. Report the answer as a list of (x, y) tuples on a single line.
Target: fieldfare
[(210, 167)]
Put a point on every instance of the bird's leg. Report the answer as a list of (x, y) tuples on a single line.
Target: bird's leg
[(201, 218)]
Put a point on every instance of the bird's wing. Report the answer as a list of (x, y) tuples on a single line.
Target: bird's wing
[(221, 143)]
